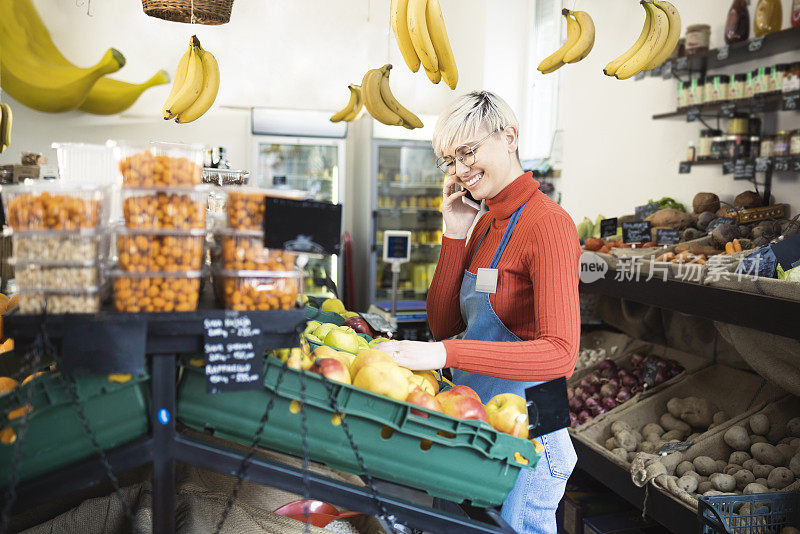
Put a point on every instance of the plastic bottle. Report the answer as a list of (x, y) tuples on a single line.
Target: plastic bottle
[(737, 27), (795, 13), (769, 17)]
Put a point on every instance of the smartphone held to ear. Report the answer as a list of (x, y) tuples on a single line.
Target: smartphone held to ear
[(468, 199)]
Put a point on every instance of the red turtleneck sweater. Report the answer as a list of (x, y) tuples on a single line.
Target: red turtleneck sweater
[(537, 289)]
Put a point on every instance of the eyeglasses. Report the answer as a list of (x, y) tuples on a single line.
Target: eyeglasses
[(464, 154)]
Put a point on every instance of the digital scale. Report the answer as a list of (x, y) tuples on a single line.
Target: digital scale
[(396, 251)]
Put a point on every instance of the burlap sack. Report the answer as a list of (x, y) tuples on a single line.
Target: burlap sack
[(637, 320)]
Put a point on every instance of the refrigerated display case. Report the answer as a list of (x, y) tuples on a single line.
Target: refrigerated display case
[(407, 195), (312, 164)]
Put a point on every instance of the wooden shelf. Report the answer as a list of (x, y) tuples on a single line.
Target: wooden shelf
[(766, 104)]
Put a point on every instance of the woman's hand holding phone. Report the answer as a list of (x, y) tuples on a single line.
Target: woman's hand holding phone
[(458, 216)]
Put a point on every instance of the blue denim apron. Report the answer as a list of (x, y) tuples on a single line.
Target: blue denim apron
[(531, 505)]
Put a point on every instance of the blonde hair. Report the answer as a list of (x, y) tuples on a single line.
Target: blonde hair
[(468, 114)]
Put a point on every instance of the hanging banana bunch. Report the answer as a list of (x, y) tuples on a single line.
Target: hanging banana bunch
[(5, 126), (195, 87), (419, 29), (580, 41), (352, 110), (656, 42), (381, 103)]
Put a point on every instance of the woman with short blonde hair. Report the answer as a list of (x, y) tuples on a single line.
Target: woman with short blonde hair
[(511, 288)]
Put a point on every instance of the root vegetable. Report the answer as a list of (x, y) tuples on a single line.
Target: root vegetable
[(652, 428), (648, 447), (669, 422), (705, 202), (693, 437), (776, 433), (719, 418), (611, 444), (793, 427), (688, 483), (723, 482), (794, 465), (743, 478), (704, 465), (652, 437), (697, 412), (739, 457), (736, 437), (762, 481), (754, 487), (704, 487), (768, 454), (759, 424), (655, 469), (750, 464), (720, 465), (674, 407), (754, 438), (627, 440), (671, 461), (779, 478), (619, 426), (631, 455), (621, 453), (683, 468), (673, 435), (731, 469), (789, 530), (763, 470), (786, 450)]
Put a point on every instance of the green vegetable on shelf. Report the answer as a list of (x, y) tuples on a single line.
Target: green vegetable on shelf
[(585, 229), (668, 202), (596, 227)]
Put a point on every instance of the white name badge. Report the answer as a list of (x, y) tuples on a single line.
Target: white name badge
[(487, 281)]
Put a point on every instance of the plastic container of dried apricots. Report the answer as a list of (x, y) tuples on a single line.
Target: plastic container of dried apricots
[(160, 250), (54, 206), (163, 208), (258, 290), (244, 250), (245, 205), (156, 292), (159, 164)]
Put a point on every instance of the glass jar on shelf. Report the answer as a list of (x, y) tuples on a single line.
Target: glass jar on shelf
[(704, 145), (782, 144), (683, 88), (760, 81), (736, 88), (777, 74), (700, 92), (767, 149), (738, 125), (755, 146), (749, 87), (791, 80), (698, 38), (794, 143), (717, 148)]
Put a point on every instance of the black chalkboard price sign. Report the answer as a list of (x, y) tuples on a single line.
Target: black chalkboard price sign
[(728, 167), (234, 353), (744, 169), (782, 164), (791, 101), (755, 44), (643, 212), (685, 167), (692, 114), (719, 221), (728, 110), (763, 164), (668, 236), (608, 227), (636, 232), (302, 225)]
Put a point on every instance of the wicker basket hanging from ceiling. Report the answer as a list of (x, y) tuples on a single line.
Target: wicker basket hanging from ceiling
[(209, 12)]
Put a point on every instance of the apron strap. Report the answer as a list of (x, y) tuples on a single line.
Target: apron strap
[(506, 236)]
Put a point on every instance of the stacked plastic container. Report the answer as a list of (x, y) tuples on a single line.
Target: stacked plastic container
[(58, 237), (249, 276), (160, 247)]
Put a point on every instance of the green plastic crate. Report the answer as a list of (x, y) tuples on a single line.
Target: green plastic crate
[(55, 437), (476, 462), (324, 316)]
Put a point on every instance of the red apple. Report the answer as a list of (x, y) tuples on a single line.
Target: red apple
[(461, 390), (424, 399), (331, 369), (360, 325), (462, 406)]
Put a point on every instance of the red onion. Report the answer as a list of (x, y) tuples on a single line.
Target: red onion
[(636, 389), (573, 420), (622, 373), (623, 395), (609, 403), (578, 392), (674, 372), (636, 358), (659, 378), (608, 391), (584, 416), (591, 403), (575, 404), (629, 381), (570, 392), (599, 410), (613, 382), (596, 396)]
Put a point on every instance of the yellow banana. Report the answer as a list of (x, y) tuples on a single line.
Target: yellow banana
[(5, 126), (585, 42), (659, 29), (358, 110), (177, 83), (207, 94), (388, 98), (115, 96), (555, 61), (43, 86), (107, 96), (673, 37), (371, 90), (420, 37), (192, 84), (441, 44), (614, 66), (434, 76), (354, 105), (399, 18)]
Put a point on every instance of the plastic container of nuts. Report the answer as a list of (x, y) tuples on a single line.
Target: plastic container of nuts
[(259, 290), (159, 164), (160, 250), (59, 245), (156, 291), (165, 208), (54, 206), (56, 275), (244, 250), (245, 205), (59, 301)]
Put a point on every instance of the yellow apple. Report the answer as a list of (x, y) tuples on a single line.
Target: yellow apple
[(362, 343), (322, 330), (420, 382), (508, 413), (331, 369), (365, 357), (346, 329), (384, 378), (315, 339), (342, 341), (430, 377), (378, 340), (333, 305), (349, 314), (298, 360), (311, 326), (302, 299)]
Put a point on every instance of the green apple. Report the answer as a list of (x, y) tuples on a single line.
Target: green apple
[(347, 329), (342, 341), (362, 343), (311, 326), (312, 337), (378, 340), (322, 330), (333, 305)]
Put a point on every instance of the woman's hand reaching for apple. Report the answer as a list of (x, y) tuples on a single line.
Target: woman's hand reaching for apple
[(415, 355)]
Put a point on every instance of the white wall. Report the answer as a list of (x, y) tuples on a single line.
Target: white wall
[(616, 156)]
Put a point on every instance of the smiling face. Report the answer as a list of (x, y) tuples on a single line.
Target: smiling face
[(496, 164)]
